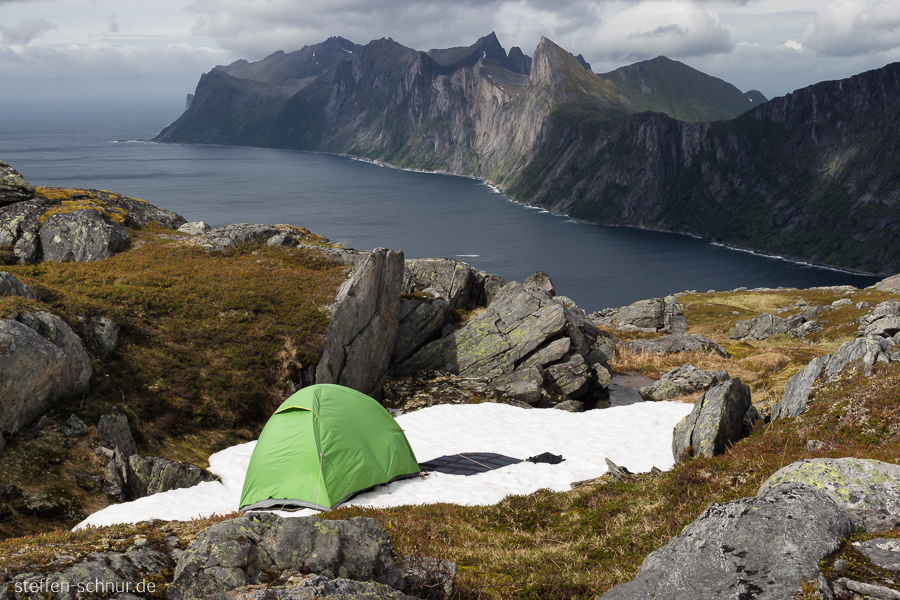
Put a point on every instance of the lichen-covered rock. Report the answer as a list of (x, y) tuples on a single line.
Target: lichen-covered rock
[(728, 551), (10, 286), (548, 354), (115, 432), (684, 342), (255, 547), (715, 423), (81, 236), (798, 389), (13, 187), (604, 349), (41, 360), (519, 320), (452, 280), (575, 406), (868, 490), (883, 552), (655, 314), (148, 475), (419, 323), (685, 379), (364, 321)]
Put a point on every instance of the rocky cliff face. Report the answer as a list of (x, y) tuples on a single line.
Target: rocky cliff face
[(810, 175)]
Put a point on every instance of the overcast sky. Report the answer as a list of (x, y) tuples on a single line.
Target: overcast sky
[(159, 48)]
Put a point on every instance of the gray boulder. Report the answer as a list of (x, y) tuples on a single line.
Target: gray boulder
[(10, 286), (41, 360), (759, 327), (686, 379), (728, 551), (195, 228), (419, 323), (715, 423), (148, 475), (548, 354), (364, 322), (868, 490), (234, 235), (861, 353), (655, 314), (798, 389), (115, 433), (82, 236), (13, 187), (684, 342), (519, 321), (253, 548)]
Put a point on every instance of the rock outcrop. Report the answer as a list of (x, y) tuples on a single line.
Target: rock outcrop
[(867, 490), (115, 433), (81, 225), (13, 187), (41, 360), (883, 321), (727, 552), (148, 475), (715, 423), (253, 548), (686, 379), (458, 284), (364, 323), (889, 284), (81, 236), (534, 347)]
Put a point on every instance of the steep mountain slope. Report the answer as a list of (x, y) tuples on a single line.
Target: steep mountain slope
[(668, 86), (814, 174)]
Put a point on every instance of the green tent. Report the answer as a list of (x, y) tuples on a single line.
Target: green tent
[(324, 445)]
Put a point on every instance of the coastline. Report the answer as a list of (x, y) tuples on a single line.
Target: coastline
[(498, 189)]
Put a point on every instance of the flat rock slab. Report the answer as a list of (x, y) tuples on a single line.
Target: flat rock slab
[(686, 379), (869, 490), (680, 342)]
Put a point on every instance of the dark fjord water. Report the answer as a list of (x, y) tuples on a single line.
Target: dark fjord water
[(366, 206)]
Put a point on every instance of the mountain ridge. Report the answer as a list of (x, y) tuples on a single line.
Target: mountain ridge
[(606, 148)]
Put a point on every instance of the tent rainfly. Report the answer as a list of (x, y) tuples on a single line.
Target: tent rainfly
[(325, 444)]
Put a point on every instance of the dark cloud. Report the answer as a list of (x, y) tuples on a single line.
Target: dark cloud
[(24, 32)]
